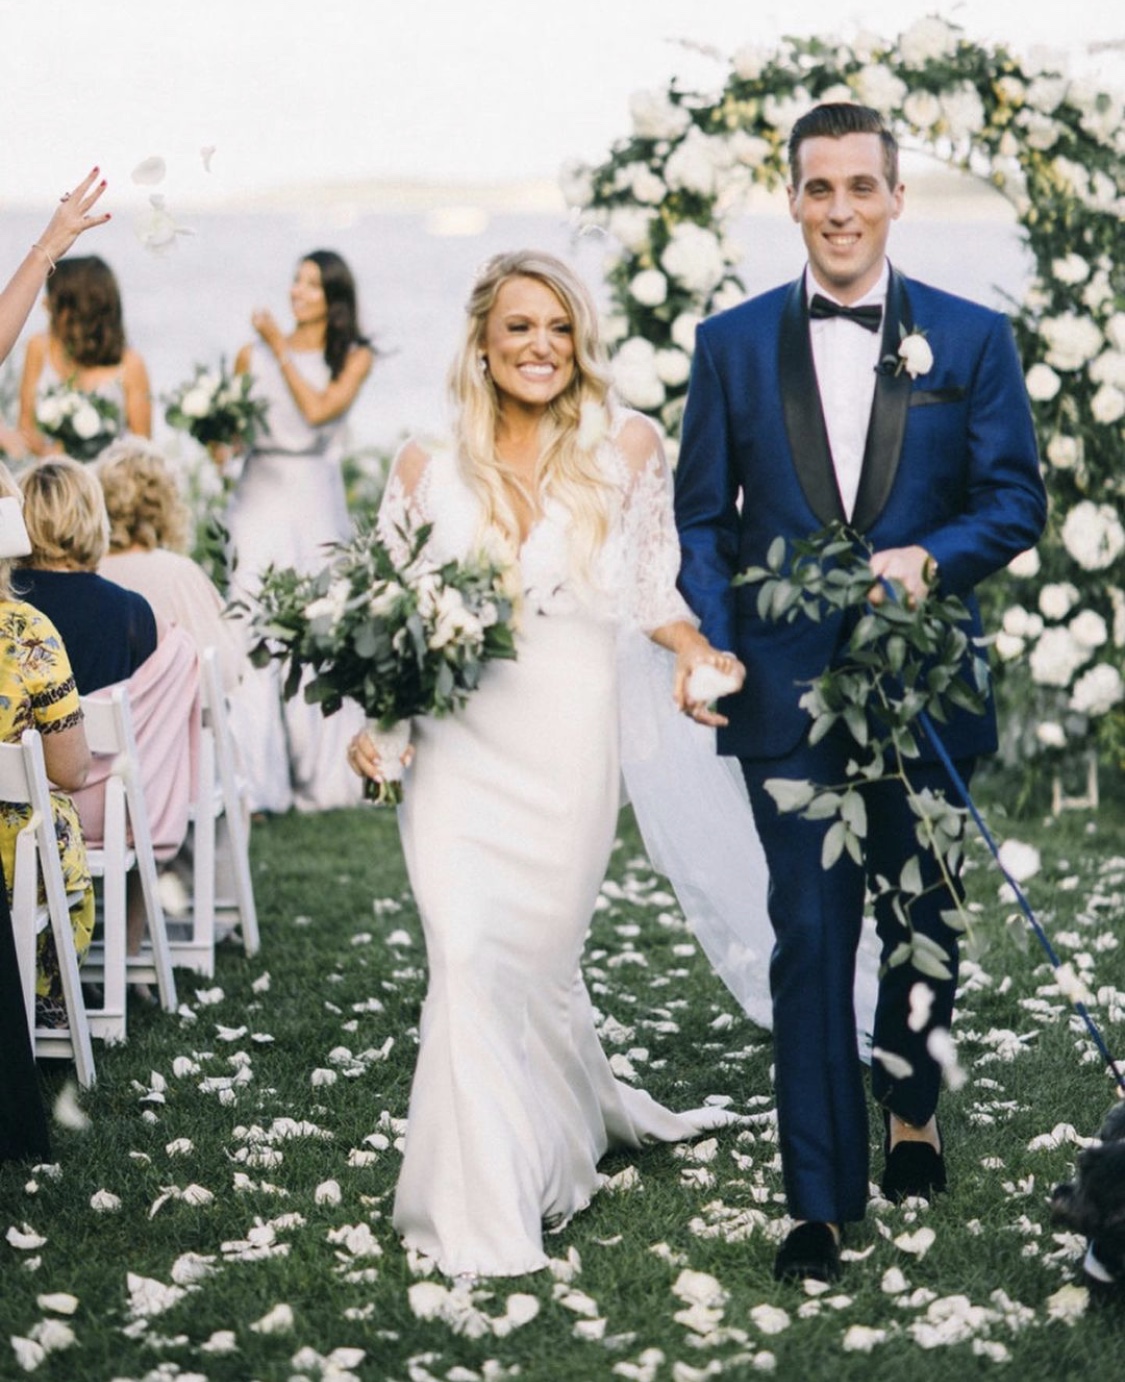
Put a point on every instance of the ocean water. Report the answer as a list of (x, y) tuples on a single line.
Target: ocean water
[(193, 304)]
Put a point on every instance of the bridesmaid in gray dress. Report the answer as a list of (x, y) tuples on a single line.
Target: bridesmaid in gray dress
[(288, 504)]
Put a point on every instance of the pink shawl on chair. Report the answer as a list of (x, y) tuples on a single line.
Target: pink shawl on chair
[(164, 702)]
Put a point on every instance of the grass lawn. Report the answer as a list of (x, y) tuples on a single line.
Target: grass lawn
[(249, 1147)]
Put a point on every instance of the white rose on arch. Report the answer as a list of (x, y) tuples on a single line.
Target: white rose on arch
[(634, 374), (1093, 535), (1072, 341), (694, 258), (1108, 405), (1057, 599), (649, 287), (927, 40), (1026, 565), (1089, 629), (1056, 657), (1042, 383), (1097, 691), (1064, 452), (656, 117)]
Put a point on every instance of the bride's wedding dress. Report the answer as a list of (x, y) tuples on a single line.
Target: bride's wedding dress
[(508, 820)]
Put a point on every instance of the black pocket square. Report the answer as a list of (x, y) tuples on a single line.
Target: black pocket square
[(921, 397)]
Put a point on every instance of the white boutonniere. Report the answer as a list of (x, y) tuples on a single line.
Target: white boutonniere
[(914, 354)]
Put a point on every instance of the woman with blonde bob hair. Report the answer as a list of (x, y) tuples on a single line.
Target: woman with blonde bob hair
[(108, 631), (510, 806), (148, 531)]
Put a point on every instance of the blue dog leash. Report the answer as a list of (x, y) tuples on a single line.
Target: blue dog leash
[(1025, 906)]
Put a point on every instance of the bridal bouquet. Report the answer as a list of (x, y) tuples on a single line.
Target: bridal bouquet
[(401, 638), (83, 423), (216, 407)]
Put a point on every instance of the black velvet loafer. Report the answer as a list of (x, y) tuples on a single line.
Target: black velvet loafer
[(809, 1251), (913, 1170)]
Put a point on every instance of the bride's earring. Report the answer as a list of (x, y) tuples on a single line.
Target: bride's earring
[(482, 361)]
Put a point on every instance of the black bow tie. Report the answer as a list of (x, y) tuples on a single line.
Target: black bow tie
[(870, 317)]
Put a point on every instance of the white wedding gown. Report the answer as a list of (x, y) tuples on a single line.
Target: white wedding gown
[(508, 821)]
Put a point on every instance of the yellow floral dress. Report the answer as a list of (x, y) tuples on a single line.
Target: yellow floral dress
[(37, 691)]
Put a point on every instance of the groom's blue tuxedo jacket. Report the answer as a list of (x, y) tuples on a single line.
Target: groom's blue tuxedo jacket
[(950, 463)]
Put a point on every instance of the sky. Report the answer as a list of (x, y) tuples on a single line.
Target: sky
[(461, 91)]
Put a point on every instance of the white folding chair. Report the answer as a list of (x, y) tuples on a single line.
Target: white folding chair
[(126, 847), (222, 885), (23, 779)]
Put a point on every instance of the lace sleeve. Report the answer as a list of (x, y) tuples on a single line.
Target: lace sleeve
[(404, 507), (650, 598)]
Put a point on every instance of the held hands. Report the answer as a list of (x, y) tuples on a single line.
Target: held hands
[(73, 215), (912, 567), (697, 665)]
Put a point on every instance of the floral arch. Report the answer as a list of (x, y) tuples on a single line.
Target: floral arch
[(1054, 147)]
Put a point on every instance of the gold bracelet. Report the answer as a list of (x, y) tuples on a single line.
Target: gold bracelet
[(51, 265)]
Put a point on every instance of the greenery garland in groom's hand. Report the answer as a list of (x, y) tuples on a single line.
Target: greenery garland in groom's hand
[(897, 663)]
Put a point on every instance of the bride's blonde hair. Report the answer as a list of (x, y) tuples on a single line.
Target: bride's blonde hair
[(567, 467)]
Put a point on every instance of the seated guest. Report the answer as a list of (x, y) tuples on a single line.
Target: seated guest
[(108, 631), (37, 691), (148, 526)]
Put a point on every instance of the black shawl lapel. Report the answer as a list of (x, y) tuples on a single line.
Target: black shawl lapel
[(804, 418), (888, 413)]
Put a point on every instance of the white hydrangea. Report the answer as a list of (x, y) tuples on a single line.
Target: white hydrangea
[(927, 40), (695, 165), (631, 226), (1051, 734), (643, 184), (1042, 383), (656, 117), (1025, 565), (749, 150), (1097, 691), (1089, 629), (1108, 405), (1056, 657), (649, 287), (1057, 599), (1071, 340), (1115, 331), (694, 258), (1040, 132), (964, 111), (683, 331), (1064, 452), (1011, 90), (673, 367), (922, 109), (749, 62), (1071, 269), (1008, 646), (783, 112), (635, 376), (1098, 292), (1021, 623), (1093, 535), (878, 87), (1046, 93)]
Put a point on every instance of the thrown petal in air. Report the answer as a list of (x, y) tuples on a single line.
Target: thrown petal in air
[(150, 171), (156, 228), (207, 153)]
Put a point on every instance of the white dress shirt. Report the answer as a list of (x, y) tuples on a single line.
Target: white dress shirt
[(845, 355)]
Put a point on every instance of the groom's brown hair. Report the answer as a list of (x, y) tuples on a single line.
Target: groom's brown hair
[(833, 120)]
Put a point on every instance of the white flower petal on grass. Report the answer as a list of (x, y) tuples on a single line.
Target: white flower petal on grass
[(770, 1319), (327, 1192), (230, 1033), (898, 1067), (149, 172), (24, 1238), (700, 1288), (577, 1301), (861, 1338), (148, 1297), (894, 1283), (917, 1243), (629, 1179), (179, 1146), (67, 1112), (279, 1320), (207, 998), (190, 1268), (222, 1341), (589, 1330), (28, 1353), (1020, 860), (61, 1302), (1071, 985), (105, 1202), (323, 1077), (427, 1299), (1068, 1304)]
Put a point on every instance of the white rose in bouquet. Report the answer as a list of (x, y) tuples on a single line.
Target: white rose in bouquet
[(1097, 691), (86, 421), (196, 402), (49, 411)]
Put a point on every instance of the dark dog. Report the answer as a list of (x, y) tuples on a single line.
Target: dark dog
[(1094, 1204)]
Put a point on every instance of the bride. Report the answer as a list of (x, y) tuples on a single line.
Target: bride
[(511, 805)]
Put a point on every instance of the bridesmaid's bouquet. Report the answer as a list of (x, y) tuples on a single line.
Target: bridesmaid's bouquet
[(82, 423), (217, 408), (401, 637)]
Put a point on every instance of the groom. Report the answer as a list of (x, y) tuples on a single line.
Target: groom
[(790, 424)]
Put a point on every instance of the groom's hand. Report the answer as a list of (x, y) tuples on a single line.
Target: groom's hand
[(912, 567)]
